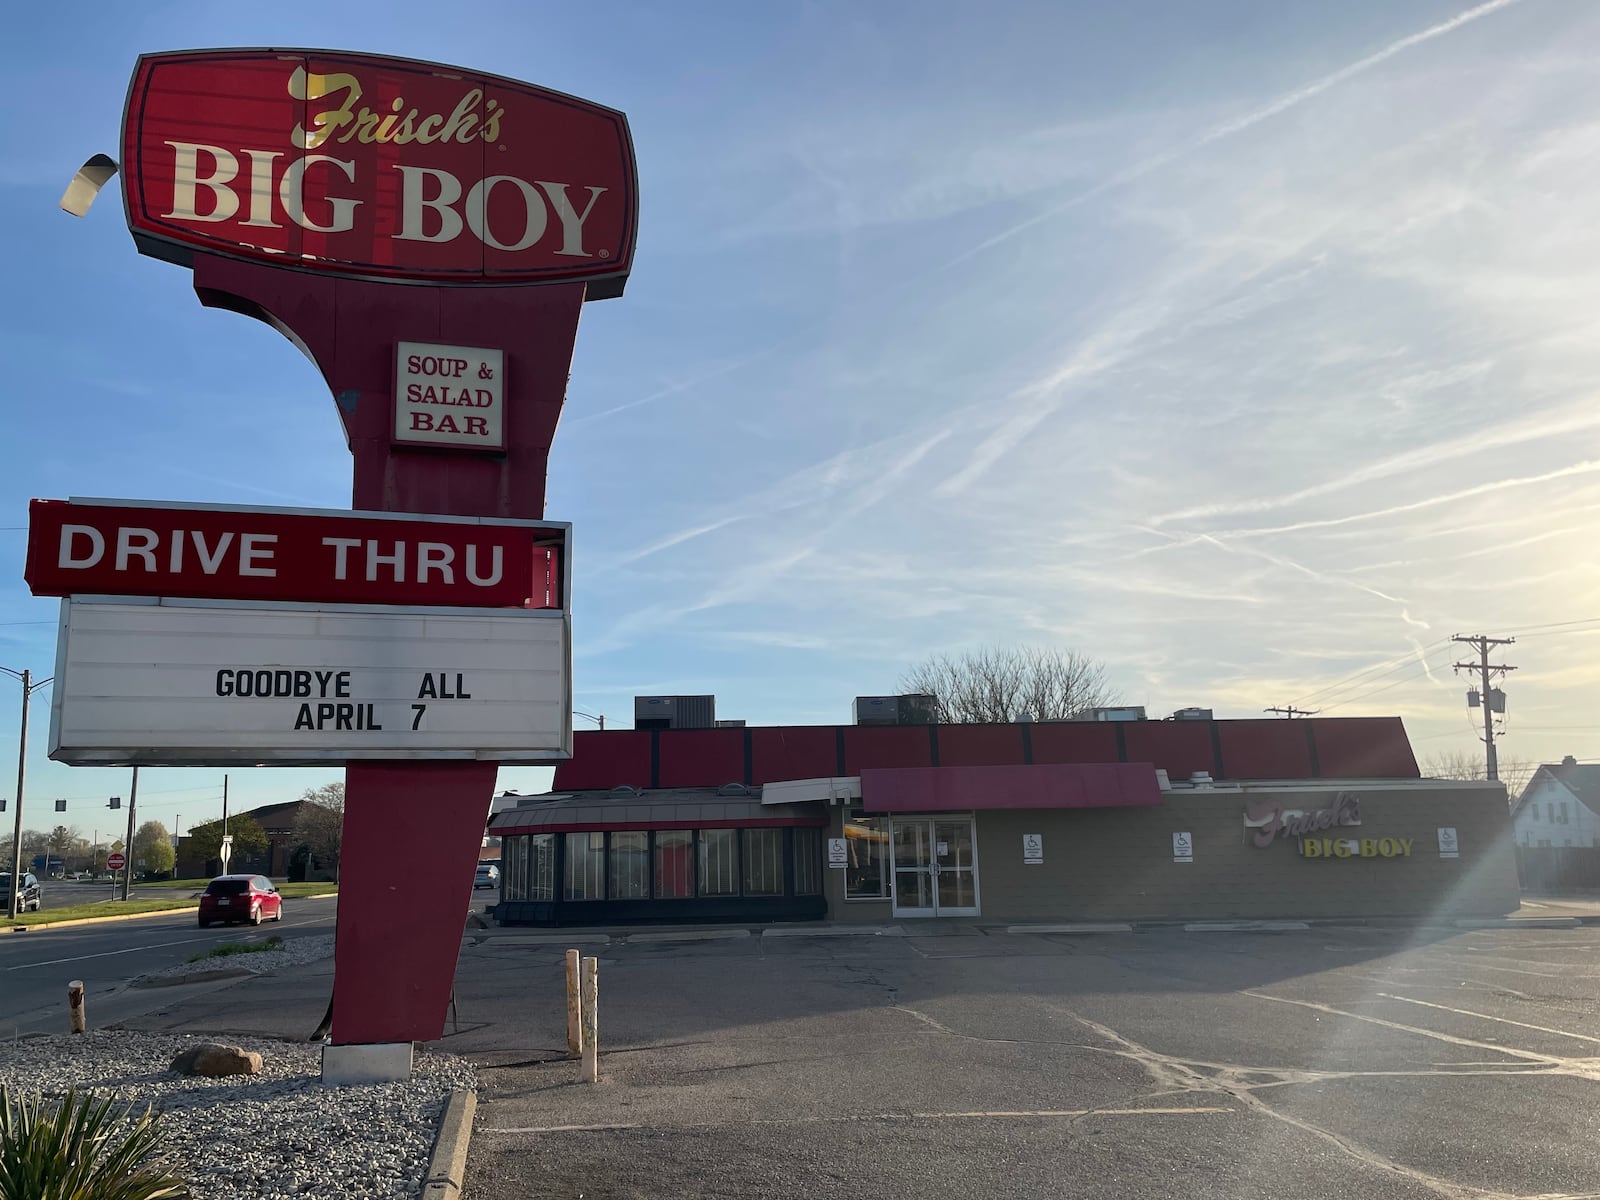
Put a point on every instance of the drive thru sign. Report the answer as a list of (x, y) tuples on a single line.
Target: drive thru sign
[(357, 203)]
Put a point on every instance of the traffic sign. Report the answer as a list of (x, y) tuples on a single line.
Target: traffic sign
[(115, 862)]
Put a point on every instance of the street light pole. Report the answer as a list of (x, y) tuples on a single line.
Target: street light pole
[(28, 688)]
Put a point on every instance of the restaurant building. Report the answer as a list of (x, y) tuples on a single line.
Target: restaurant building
[(1125, 819)]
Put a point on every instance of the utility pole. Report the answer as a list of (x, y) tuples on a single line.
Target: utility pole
[(1492, 700), (28, 689), (127, 867), (1291, 712), (225, 848)]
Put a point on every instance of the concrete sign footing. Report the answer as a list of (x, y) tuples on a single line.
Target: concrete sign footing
[(383, 1062)]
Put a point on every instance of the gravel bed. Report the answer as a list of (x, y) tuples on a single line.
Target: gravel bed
[(280, 1135), (295, 952)]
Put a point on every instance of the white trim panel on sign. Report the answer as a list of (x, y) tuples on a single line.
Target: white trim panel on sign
[(140, 683)]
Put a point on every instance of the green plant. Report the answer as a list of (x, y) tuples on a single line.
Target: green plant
[(223, 951), (82, 1148)]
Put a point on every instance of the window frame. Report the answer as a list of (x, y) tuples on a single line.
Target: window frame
[(884, 852), (737, 874)]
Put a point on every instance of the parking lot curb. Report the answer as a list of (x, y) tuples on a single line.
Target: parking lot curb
[(691, 935), (791, 931), (447, 1167), (1075, 927), (1520, 923), (1244, 926)]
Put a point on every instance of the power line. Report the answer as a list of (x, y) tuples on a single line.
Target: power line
[(1378, 671), (1421, 670)]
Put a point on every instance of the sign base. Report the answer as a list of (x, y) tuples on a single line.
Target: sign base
[(384, 1062)]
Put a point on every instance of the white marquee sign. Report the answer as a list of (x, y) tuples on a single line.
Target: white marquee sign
[(210, 683)]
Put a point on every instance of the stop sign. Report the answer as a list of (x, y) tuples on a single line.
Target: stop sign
[(116, 860)]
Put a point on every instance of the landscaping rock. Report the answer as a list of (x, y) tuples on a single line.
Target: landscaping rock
[(215, 1060)]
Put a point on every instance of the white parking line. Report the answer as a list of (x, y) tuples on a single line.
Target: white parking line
[(1431, 1033), (1467, 1012), (1071, 1114), (53, 962)]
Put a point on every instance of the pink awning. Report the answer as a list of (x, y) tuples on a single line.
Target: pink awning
[(1041, 785)]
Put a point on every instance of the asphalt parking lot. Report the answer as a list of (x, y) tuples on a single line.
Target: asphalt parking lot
[(1329, 1062)]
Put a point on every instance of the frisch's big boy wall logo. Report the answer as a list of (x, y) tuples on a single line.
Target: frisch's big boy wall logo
[(377, 167)]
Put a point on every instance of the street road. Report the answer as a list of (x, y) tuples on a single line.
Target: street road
[(36, 966)]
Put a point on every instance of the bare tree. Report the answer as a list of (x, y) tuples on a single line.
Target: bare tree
[(1463, 764), (1006, 683), (320, 825)]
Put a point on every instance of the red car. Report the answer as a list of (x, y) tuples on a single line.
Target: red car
[(230, 898)]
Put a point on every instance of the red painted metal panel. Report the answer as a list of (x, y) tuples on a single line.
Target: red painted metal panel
[(605, 759), (1178, 747), (1362, 748), (867, 746), (1264, 749), (793, 752), (349, 328), (979, 745), (1052, 785), (365, 166), (403, 823), (288, 555), (1073, 742), (701, 757)]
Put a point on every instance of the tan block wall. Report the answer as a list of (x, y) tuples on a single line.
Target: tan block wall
[(1117, 863)]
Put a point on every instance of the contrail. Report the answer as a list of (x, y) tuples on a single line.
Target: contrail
[(1137, 171), (1583, 468), (1238, 124)]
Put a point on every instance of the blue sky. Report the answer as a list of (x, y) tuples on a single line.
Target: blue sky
[(1248, 346)]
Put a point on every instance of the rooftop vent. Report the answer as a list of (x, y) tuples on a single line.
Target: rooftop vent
[(1200, 779), (674, 712), (625, 791), (913, 709)]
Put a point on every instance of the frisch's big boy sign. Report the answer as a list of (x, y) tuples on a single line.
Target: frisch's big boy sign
[(376, 167)]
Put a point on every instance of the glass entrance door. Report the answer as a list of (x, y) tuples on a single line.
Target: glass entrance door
[(935, 867)]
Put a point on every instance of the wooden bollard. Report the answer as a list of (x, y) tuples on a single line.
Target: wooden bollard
[(574, 1007), (80, 1019), (591, 1020)]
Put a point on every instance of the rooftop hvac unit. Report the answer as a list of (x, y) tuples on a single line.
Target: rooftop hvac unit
[(674, 712), (1192, 714), (1127, 712), (721, 724), (914, 709)]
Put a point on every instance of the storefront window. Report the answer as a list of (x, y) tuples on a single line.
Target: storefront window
[(867, 844), (763, 862), (513, 868), (719, 862), (808, 862), (629, 874), (586, 865), (674, 864), (539, 866)]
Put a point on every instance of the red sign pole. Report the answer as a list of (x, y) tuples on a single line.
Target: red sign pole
[(413, 831)]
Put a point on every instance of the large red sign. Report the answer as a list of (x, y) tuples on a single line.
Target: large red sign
[(378, 167), (311, 556)]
